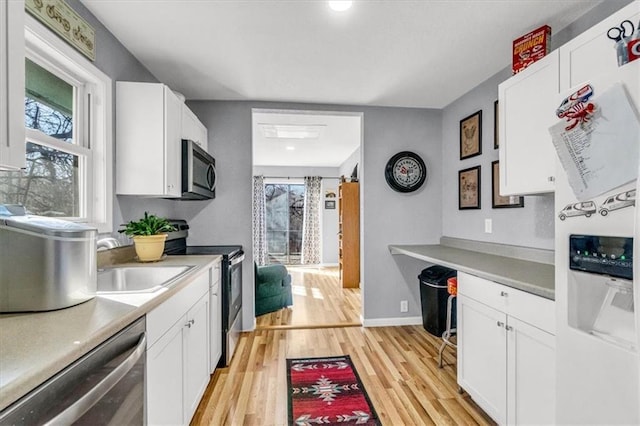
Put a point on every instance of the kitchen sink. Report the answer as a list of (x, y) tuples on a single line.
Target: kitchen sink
[(138, 279)]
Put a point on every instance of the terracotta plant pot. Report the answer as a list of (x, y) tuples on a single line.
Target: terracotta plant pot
[(149, 248)]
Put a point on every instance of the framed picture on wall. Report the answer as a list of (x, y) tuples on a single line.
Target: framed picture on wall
[(497, 200), (330, 204), (471, 135), (496, 117), (469, 188)]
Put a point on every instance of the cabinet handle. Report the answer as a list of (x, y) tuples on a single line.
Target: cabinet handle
[(190, 323), (500, 324), (504, 294), (508, 328), (551, 179)]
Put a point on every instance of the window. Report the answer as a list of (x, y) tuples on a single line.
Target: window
[(285, 209), (68, 135)]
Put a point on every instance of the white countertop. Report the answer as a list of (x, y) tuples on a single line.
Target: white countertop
[(35, 346), (532, 277)]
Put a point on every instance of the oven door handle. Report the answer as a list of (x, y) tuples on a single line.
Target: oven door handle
[(237, 260), (88, 400)]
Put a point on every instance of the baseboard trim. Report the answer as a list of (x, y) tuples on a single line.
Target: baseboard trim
[(391, 322)]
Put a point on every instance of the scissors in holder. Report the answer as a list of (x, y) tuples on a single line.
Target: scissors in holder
[(626, 29)]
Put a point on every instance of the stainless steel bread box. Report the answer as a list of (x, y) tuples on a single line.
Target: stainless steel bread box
[(45, 263)]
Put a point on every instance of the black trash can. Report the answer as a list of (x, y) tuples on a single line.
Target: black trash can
[(434, 295)]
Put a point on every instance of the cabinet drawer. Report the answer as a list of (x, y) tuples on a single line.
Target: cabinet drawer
[(168, 313), (483, 291), (532, 309)]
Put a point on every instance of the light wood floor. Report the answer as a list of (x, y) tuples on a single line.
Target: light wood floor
[(318, 301), (397, 365)]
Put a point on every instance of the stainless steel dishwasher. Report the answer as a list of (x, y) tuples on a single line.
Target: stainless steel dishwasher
[(104, 387)]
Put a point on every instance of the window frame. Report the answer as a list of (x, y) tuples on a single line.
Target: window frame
[(94, 123)]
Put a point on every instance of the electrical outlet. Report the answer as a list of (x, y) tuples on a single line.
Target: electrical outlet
[(488, 226), (404, 306)]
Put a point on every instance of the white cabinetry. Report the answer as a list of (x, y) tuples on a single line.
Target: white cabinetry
[(178, 354), (193, 129), (527, 104), (197, 356), (148, 138), (12, 143), (216, 318), (506, 351), (528, 101), (592, 55)]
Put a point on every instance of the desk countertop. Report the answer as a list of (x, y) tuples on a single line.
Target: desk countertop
[(532, 277)]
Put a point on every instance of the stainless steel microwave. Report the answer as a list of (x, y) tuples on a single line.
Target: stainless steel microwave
[(198, 172)]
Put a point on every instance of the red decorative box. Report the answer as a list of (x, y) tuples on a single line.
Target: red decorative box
[(531, 47)]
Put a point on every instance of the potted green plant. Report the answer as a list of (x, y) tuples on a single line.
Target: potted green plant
[(149, 235)]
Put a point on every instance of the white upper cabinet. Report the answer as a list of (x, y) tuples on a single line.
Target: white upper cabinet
[(148, 140), (527, 104), (12, 134), (592, 56), (193, 129)]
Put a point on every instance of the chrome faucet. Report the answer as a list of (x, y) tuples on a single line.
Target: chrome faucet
[(107, 243)]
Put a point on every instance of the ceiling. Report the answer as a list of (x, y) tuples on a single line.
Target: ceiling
[(333, 137), (411, 53), (407, 53)]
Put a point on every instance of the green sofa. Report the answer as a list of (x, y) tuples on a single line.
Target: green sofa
[(273, 288)]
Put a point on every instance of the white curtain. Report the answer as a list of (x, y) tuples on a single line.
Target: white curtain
[(311, 221), (259, 222)]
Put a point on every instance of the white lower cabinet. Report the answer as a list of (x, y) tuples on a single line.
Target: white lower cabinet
[(178, 354), (506, 351), (531, 360), (197, 356), (482, 356), (164, 378)]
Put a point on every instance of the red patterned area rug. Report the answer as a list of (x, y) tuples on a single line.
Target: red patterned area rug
[(327, 391)]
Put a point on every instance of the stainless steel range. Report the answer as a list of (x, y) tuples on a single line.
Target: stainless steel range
[(231, 283)]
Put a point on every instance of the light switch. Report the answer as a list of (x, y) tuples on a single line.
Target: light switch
[(488, 226)]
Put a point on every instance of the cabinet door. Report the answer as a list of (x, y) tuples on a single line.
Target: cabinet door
[(531, 396), (216, 319), (12, 136), (482, 352), (592, 55), (165, 377), (196, 356), (172, 143), (527, 104), (193, 129)]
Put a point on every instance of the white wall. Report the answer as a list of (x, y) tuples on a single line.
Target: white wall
[(328, 218), (346, 168)]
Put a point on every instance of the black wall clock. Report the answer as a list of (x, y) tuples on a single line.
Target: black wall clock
[(405, 172)]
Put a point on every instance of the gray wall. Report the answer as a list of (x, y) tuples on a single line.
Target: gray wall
[(387, 217), (531, 226), (119, 64), (328, 217)]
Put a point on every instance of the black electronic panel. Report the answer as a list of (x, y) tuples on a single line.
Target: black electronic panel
[(611, 256)]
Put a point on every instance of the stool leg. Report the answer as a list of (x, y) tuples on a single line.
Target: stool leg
[(447, 332), (440, 353)]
